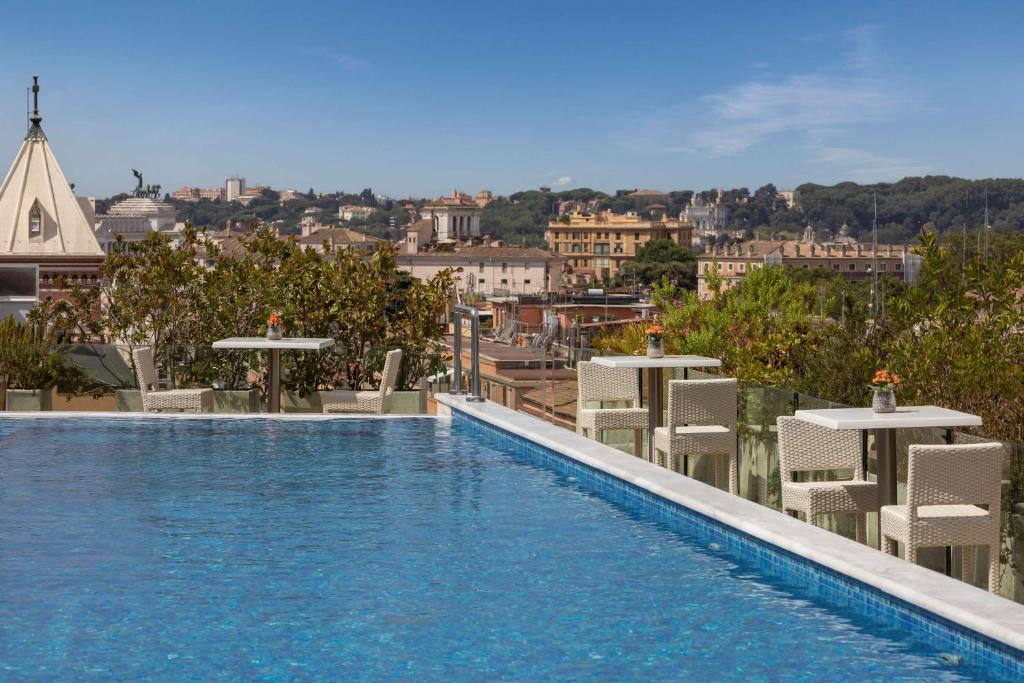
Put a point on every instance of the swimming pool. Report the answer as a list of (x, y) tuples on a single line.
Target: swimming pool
[(382, 549)]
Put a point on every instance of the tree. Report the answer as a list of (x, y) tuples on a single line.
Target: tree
[(659, 260)]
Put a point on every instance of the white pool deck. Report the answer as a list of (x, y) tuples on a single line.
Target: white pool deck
[(988, 614), (991, 615)]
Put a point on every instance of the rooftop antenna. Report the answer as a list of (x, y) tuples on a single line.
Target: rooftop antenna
[(874, 256), (988, 228)]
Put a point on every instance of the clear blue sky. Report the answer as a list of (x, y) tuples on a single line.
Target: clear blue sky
[(419, 98)]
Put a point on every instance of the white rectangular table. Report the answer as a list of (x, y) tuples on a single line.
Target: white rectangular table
[(885, 425), (655, 368), (275, 346)]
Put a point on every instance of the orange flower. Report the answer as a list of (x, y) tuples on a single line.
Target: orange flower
[(655, 329), (885, 377), (274, 319)]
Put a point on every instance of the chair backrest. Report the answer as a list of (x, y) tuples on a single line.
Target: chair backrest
[(703, 402), (145, 371), (806, 447), (967, 474), (389, 377), (600, 383)]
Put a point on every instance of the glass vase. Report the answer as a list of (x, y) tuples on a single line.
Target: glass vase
[(884, 401), (274, 332), (655, 349)]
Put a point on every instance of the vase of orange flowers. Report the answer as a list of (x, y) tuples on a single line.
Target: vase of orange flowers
[(655, 341), (274, 327), (883, 389)]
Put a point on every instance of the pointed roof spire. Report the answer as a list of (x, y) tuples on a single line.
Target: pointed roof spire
[(35, 132), (39, 213)]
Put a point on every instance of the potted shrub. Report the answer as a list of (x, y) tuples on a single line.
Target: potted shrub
[(32, 365)]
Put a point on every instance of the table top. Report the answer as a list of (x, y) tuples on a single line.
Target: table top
[(301, 343), (664, 362), (905, 417)]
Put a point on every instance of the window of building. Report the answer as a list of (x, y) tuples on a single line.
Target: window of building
[(835, 266), (602, 248), (618, 235), (743, 267), (899, 266), (730, 266), (618, 248), (481, 266), (575, 248), (706, 266), (504, 267), (575, 235), (881, 266), (504, 281), (636, 235), (35, 221), (601, 262), (18, 283), (526, 282)]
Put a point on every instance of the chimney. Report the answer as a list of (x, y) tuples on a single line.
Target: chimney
[(859, 250), (844, 249), (888, 250), (796, 248), (750, 250), (814, 249)]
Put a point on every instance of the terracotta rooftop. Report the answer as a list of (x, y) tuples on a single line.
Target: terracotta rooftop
[(454, 199), (340, 236), (485, 252)]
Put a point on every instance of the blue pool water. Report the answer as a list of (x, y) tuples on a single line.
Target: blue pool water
[(377, 549)]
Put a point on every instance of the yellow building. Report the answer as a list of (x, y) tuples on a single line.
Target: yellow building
[(596, 245)]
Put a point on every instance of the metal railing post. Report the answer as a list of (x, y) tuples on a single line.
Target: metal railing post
[(474, 349)]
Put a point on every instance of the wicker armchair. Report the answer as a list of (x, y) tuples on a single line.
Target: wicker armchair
[(701, 421), (805, 447), (953, 499), (155, 400), (600, 383), (376, 401)]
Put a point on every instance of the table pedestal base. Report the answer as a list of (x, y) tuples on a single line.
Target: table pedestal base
[(274, 381)]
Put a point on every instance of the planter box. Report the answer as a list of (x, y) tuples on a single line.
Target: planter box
[(128, 400), (93, 404), (224, 401), (402, 402), (241, 401), (29, 400), (409, 402), (291, 402)]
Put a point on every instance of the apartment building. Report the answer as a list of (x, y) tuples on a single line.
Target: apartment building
[(595, 245), (853, 261)]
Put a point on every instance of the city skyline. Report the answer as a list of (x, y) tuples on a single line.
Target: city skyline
[(417, 101)]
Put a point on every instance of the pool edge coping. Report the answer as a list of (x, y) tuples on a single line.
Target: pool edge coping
[(974, 609), (126, 415)]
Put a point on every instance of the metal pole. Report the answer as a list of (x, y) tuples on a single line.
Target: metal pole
[(456, 387), (474, 358), (474, 349)]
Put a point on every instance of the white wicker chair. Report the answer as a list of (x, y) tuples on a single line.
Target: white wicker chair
[(155, 400), (804, 447), (597, 383), (373, 401), (953, 499), (701, 421)]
